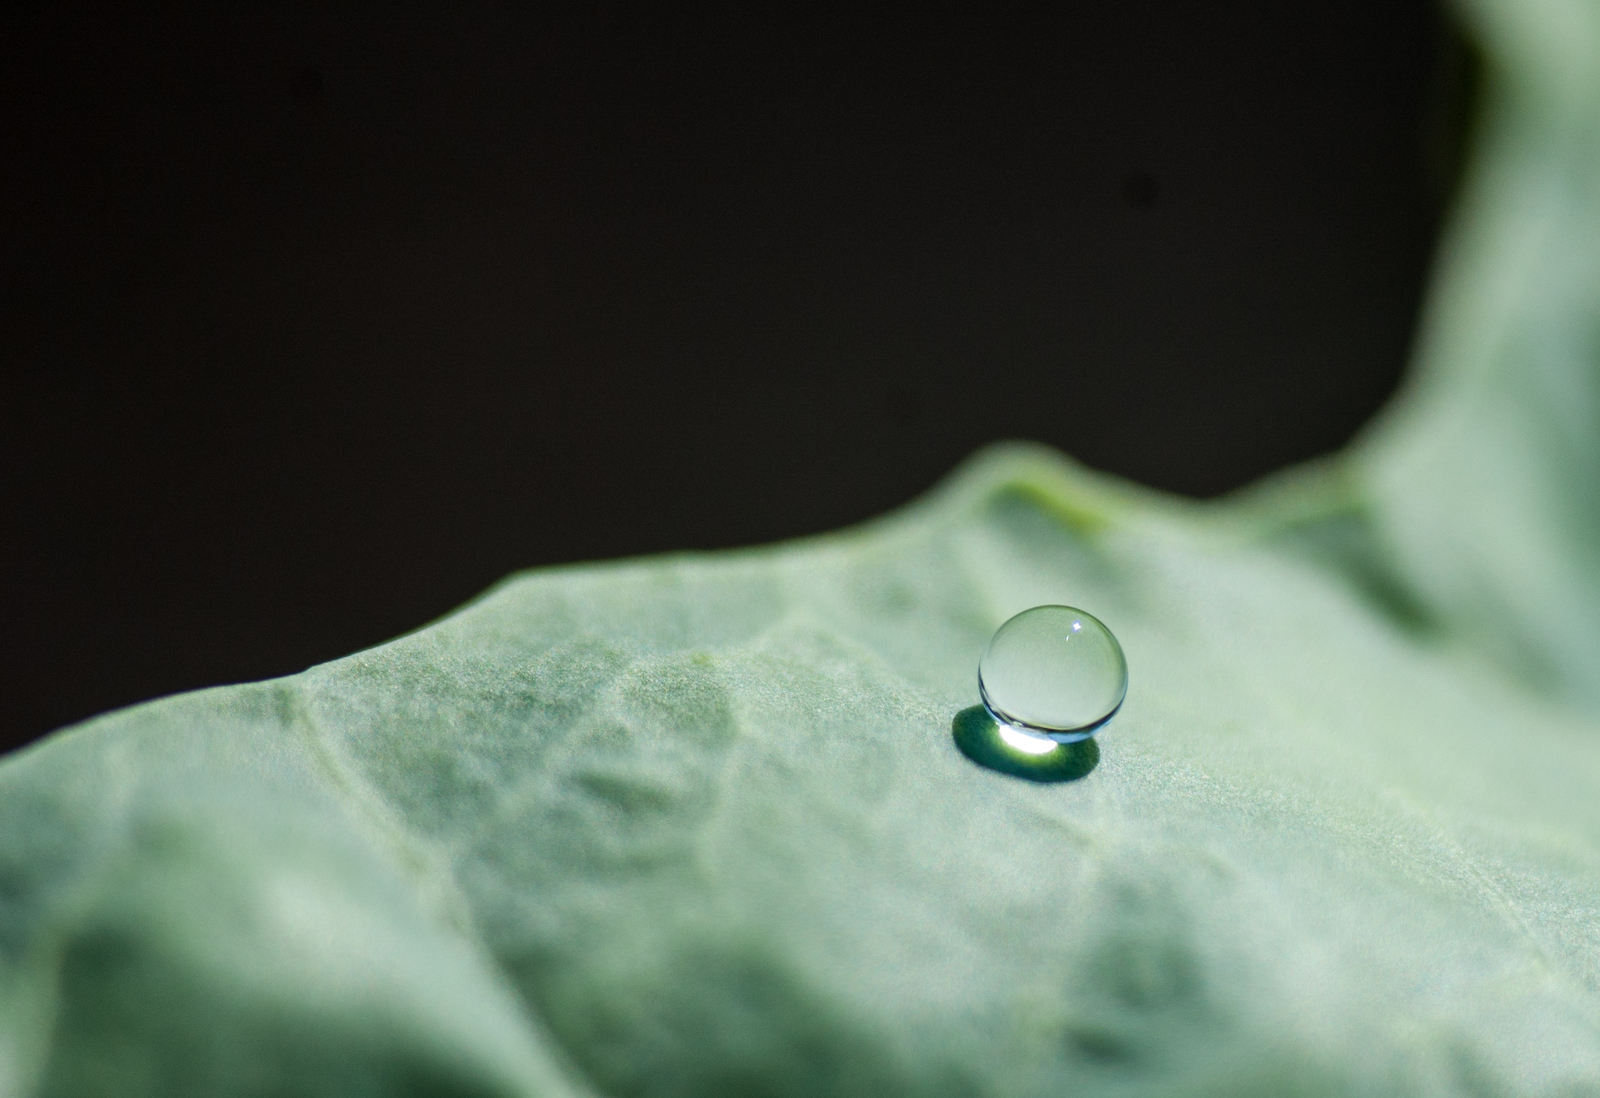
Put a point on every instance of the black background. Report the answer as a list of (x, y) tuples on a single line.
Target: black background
[(318, 319)]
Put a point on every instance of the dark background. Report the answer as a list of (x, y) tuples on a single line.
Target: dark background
[(318, 319)]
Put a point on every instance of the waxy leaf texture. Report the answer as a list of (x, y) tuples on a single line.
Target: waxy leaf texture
[(696, 825)]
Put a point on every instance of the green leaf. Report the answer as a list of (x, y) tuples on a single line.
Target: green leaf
[(1485, 478), (698, 825)]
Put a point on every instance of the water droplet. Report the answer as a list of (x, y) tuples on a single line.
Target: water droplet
[(1053, 673)]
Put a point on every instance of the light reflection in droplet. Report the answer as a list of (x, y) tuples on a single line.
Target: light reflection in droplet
[(1025, 742), (1017, 753)]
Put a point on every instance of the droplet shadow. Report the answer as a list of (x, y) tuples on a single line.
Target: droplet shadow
[(977, 735)]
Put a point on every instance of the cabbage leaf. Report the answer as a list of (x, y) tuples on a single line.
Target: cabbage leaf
[(697, 825)]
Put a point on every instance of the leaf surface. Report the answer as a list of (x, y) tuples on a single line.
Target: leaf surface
[(697, 825)]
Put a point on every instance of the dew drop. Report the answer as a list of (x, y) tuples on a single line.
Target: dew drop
[(1053, 673)]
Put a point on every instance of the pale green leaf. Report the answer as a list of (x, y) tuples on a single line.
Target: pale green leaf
[(697, 825)]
